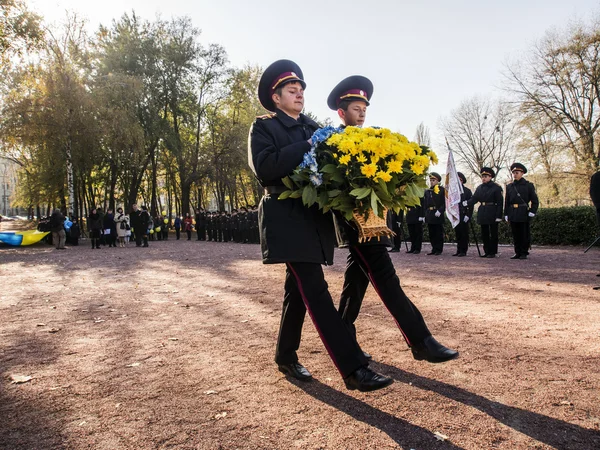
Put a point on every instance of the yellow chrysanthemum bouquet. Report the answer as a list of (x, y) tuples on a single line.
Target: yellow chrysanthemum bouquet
[(360, 171)]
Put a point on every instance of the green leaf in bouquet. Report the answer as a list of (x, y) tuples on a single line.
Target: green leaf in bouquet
[(334, 193), (360, 193), (323, 199), (296, 194), (328, 168), (288, 183), (285, 194), (338, 177), (374, 203), (309, 196)]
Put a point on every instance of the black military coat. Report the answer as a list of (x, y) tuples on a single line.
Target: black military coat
[(519, 195), (414, 212), (465, 210), (490, 196), (290, 232), (435, 202)]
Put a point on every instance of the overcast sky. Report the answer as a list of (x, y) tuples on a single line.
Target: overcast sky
[(424, 57)]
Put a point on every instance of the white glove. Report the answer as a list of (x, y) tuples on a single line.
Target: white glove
[(531, 214), (498, 220), (437, 214), (464, 203), (421, 219), (466, 219), (506, 218)]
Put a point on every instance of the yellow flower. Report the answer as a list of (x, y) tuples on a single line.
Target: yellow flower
[(417, 168), (436, 189), (361, 158), (369, 170), (385, 176), (395, 166), (345, 159)]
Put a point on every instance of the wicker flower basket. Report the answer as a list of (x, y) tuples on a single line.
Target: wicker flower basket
[(373, 227)]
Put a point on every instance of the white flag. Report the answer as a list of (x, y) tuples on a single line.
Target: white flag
[(454, 189)]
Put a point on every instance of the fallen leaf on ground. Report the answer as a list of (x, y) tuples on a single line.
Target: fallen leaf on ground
[(440, 437), (53, 330), (221, 415), (173, 339), (135, 364), (40, 324), (18, 379), (210, 392)]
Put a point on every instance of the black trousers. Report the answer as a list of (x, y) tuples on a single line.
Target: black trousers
[(462, 237), (489, 236), (138, 238), (436, 237), (415, 233), (306, 289), (397, 228), (371, 263), (178, 233), (520, 232)]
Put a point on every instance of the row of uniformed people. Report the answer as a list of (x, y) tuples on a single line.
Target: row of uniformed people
[(518, 207), (220, 226)]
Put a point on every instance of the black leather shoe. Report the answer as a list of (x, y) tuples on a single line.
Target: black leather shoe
[(515, 256), (367, 355), (456, 254), (296, 370), (394, 250), (483, 256), (412, 251), (462, 254), (416, 252), (365, 380), (432, 351), (431, 253), (490, 256)]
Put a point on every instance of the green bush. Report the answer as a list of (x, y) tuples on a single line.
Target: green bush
[(575, 225)]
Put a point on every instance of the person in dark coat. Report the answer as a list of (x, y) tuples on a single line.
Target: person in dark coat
[(95, 227), (136, 224), (300, 237), (108, 224), (177, 226), (201, 224), (489, 195), (145, 224), (462, 229), (59, 236), (435, 207), (415, 218), (75, 232), (369, 261), (397, 221), (520, 206)]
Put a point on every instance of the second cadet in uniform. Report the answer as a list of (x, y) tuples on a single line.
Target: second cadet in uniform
[(369, 261), (521, 205), (489, 196)]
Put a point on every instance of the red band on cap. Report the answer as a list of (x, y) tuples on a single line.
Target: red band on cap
[(353, 93), (285, 76)]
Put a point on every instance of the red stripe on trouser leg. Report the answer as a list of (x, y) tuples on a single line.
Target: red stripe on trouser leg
[(376, 287), (304, 299)]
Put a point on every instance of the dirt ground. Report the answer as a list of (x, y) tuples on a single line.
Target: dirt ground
[(172, 347)]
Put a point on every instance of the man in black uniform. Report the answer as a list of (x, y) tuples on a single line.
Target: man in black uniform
[(200, 224), (398, 229), (144, 222), (435, 207), (462, 229), (300, 237), (489, 214), (415, 217), (136, 224), (520, 206), (369, 261)]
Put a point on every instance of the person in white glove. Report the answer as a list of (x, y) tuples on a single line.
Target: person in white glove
[(435, 206), (462, 229), (520, 206), (489, 196)]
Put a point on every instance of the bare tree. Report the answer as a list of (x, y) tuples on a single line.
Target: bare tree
[(560, 79), (481, 132), (422, 135)]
